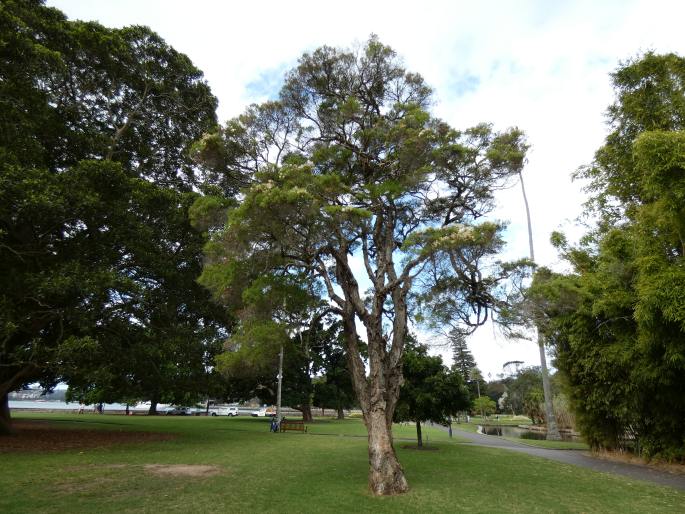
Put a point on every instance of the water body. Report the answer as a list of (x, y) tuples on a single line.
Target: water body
[(522, 433), (71, 406), (55, 405)]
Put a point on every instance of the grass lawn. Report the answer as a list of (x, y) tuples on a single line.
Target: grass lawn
[(323, 471)]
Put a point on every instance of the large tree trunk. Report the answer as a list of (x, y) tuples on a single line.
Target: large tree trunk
[(379, 391), (386, 476), (341, 412), (152, 411), (5, 418), (11, 383), (306, 411), (419, 439)]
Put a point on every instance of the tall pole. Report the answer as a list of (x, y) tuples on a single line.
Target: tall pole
[(552, 429), (280, 382)]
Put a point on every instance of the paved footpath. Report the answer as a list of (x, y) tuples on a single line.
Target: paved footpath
[(576, 458)]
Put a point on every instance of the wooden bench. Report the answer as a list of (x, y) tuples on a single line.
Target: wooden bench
[(297, 425)]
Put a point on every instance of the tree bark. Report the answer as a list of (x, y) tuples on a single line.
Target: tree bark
[(5, 418), (152, 411), (306, 411), (386, 476), (379, 391), (419, 439), (341, 412)]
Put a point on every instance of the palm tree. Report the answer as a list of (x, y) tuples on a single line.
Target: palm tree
[(552, 429)]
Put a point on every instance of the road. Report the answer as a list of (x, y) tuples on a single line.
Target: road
[(576, 458)]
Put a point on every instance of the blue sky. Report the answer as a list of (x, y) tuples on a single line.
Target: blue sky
[(540, 65)]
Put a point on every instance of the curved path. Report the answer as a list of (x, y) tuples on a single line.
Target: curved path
[(576, 458)]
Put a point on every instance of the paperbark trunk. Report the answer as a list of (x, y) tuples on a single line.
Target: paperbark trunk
[(386, 476)]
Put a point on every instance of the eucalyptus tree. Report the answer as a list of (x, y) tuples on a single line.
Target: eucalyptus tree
[(355, 187)]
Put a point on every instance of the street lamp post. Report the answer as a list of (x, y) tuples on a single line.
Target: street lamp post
[(280, 383)]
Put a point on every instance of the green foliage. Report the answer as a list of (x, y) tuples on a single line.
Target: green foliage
[(349, 163), (99, 259), (483, 405), (464, 362), (617, 321), (431, 392)]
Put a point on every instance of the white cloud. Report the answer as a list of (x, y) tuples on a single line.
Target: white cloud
[(542, 66)]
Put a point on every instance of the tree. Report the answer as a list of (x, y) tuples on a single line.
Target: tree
[(525, 394), (334, 388), (552, 429), (352, 168), (430, 392), (463, 359), (95, 182), (484, 405), (616, 321)]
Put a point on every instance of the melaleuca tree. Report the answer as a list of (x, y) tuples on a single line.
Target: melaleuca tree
[(617, 320), (358, 188)]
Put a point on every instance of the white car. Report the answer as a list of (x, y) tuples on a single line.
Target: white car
[(224, 411)]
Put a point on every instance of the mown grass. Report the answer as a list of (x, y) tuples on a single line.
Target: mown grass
[(294, 472)]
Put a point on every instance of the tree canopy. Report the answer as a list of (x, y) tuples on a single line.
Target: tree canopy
[(370, 199), (99, 260), (430, 392)]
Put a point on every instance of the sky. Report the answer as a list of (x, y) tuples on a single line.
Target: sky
[(541, 65)]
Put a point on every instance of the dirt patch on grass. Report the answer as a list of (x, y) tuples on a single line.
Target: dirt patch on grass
[(186, 470), (41, 436)]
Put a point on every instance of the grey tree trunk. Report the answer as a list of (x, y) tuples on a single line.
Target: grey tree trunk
[(552, 429), (341, 412), (306, 411), (419, 439), (152, 411)]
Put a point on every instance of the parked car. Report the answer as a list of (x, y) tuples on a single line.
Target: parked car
[(180, 411), (264, 412), (224, 411)]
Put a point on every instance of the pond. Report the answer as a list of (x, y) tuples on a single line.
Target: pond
[(521, 433)]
